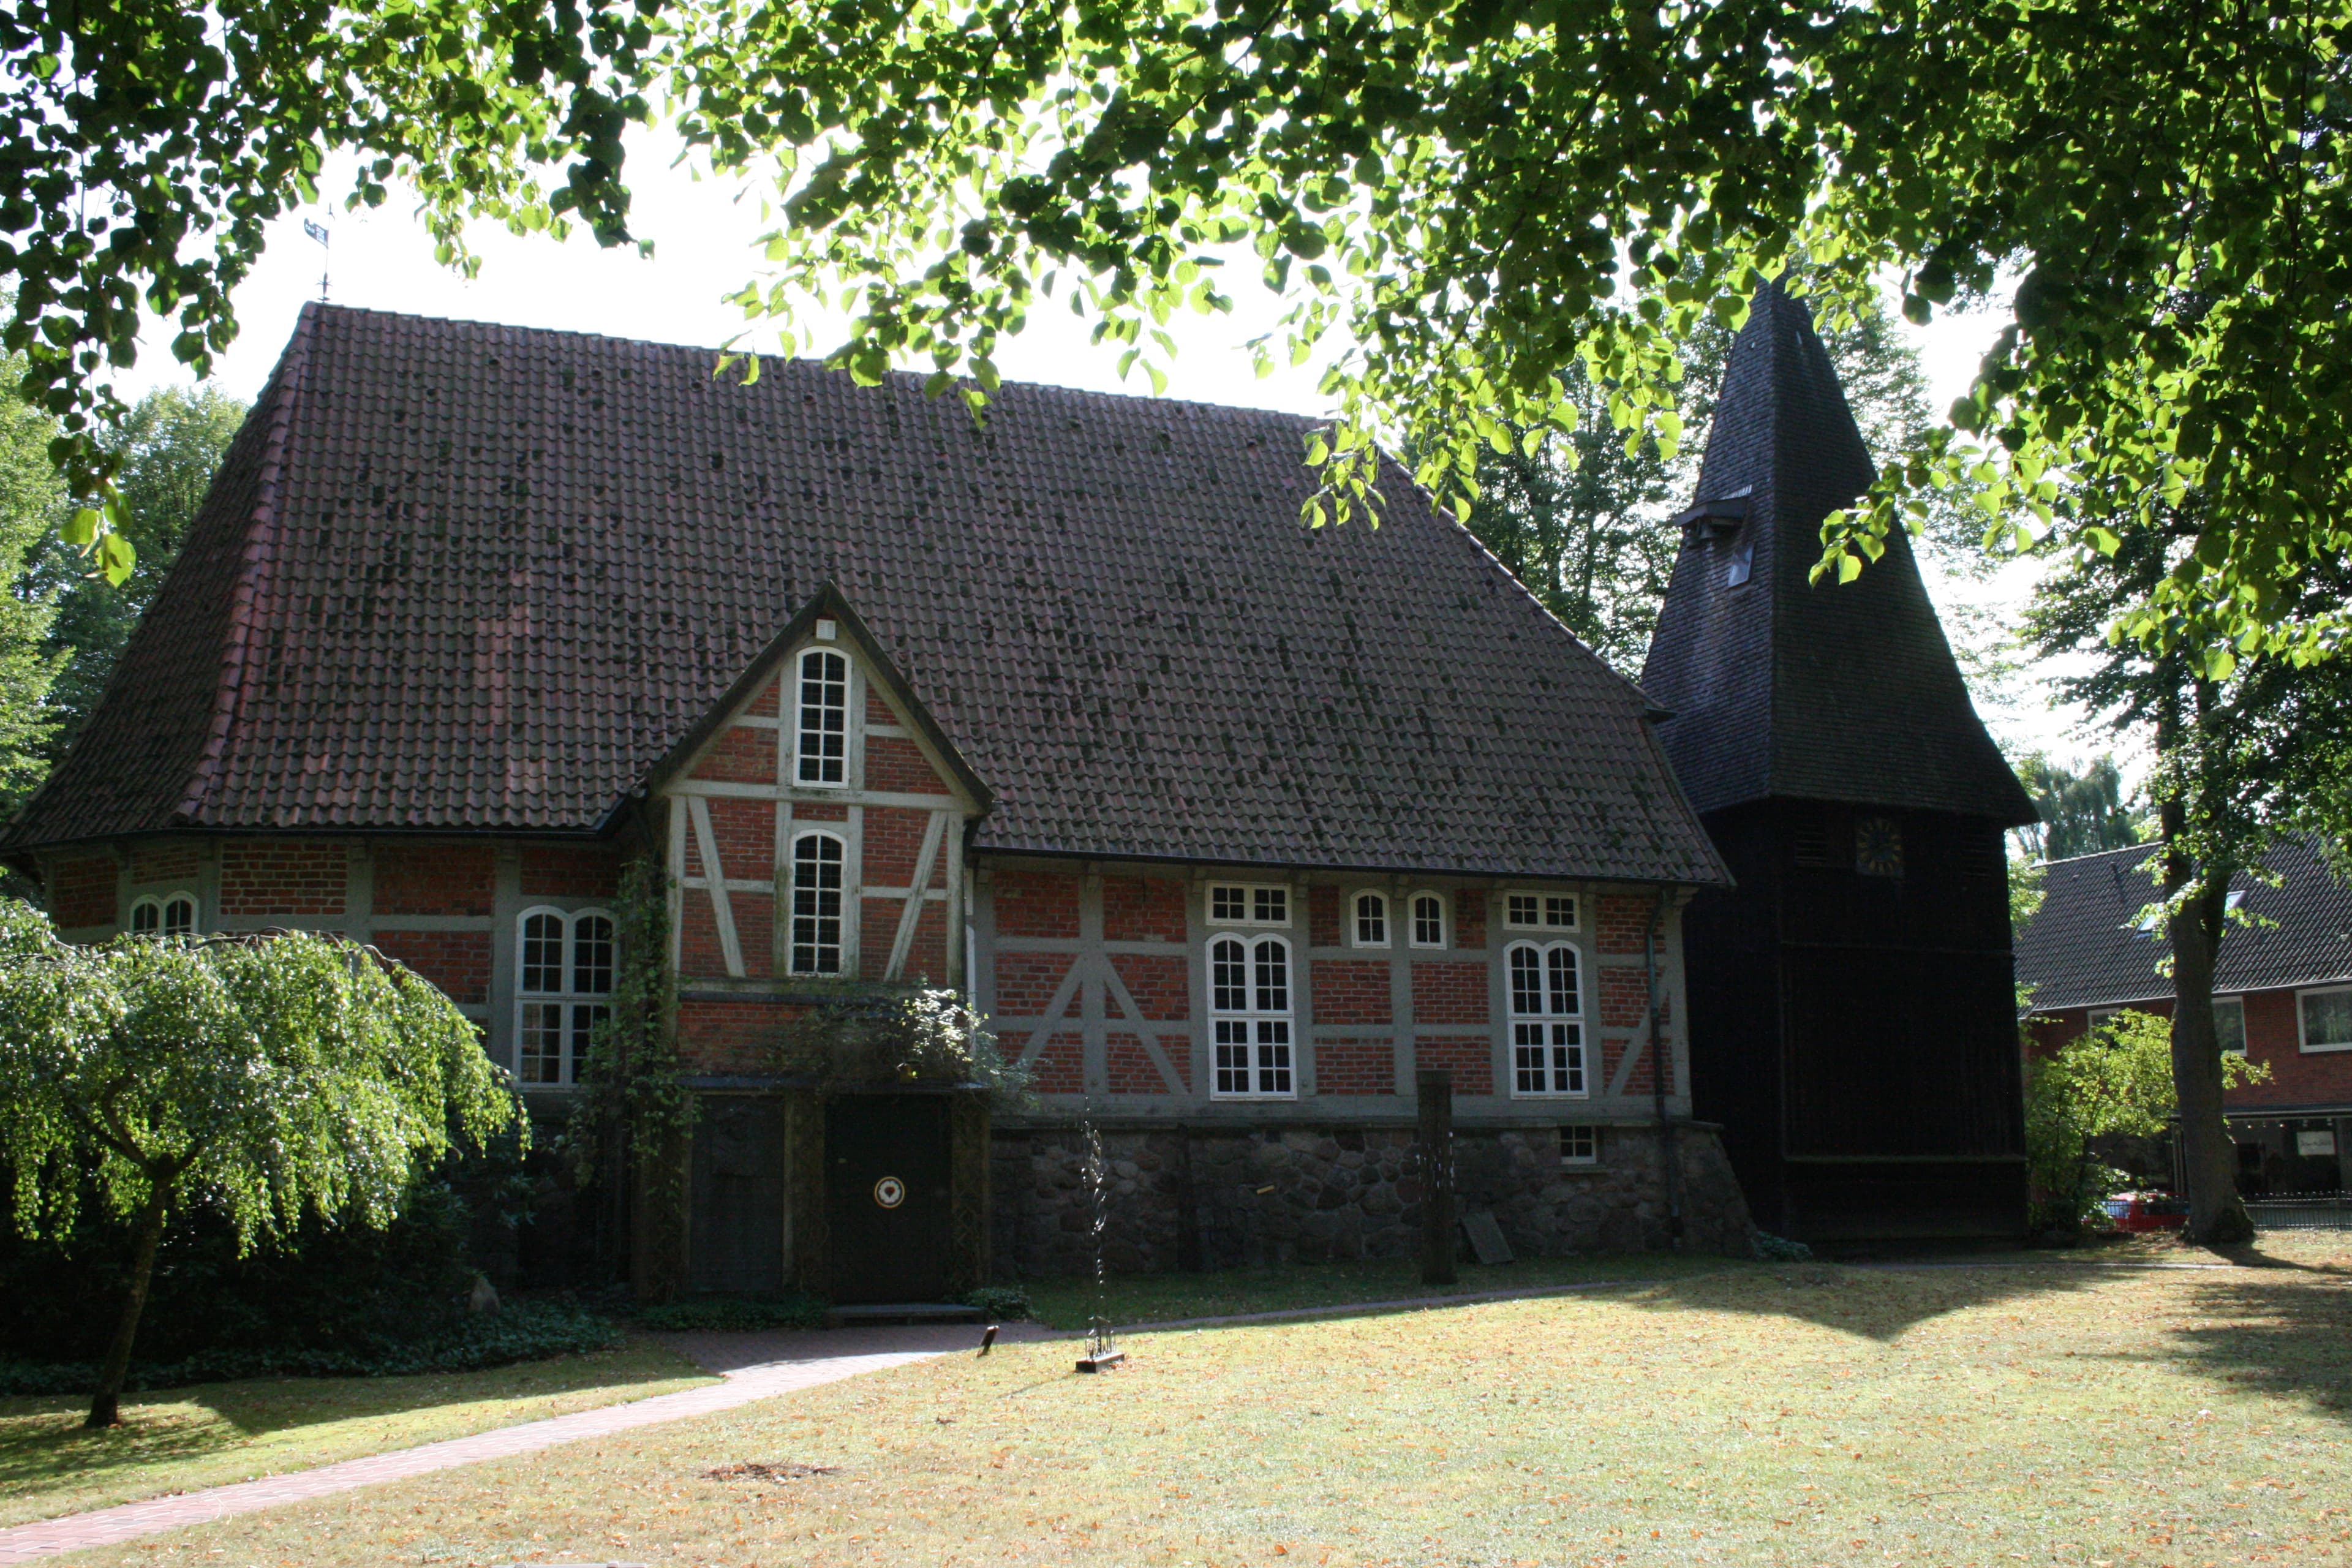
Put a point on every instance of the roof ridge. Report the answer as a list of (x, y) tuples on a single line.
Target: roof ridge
[(285, 384), (2147, 847), (915, 378)]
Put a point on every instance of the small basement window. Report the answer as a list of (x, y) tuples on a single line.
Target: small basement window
[(1579, 1145), (1248, 904)]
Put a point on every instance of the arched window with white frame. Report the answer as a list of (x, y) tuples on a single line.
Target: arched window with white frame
[(564, 988), (1250, 1017), (1428, 919), (163, 914), (1368, 920), (817, 860), (1546, 1020), (820, 719)]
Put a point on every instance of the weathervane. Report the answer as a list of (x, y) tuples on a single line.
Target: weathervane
[(318, 232)]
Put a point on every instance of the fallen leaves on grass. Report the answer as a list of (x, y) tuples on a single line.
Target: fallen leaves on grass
[(755, 1471)]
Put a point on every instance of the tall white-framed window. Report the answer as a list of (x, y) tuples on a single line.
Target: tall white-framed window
[(1249, 904), (1250, 1017), (821, 719), (1539, 911), (2230, 1025), (1546, 1020), (817, 860), (1429, 920), (163, 914), (1368, 920), (562, 991), (2326, 1018)]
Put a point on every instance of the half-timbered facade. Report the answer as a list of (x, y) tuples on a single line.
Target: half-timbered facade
[(1230, 827)]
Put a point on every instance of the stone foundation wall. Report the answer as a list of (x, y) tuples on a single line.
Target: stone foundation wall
[(1196, 1198)]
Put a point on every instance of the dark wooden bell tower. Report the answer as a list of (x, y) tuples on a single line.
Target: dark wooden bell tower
[(1852, 1015)]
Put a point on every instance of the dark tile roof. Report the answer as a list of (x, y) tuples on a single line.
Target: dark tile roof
[(463, 576), (2084, 947), (1780, 687)]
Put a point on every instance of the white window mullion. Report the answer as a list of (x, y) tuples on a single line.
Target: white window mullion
[(1547, 1015)]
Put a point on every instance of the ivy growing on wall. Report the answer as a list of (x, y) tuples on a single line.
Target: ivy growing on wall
[(929, 1038), (633, 1095)]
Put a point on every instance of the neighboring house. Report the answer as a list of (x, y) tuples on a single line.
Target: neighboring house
[(1231, 824), (2282, 995), (1852, 1010)]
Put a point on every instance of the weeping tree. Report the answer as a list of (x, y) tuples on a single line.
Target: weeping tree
[(267, 1078)]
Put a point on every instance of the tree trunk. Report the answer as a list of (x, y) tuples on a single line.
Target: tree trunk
[(2217, 1214), (105, 1400)]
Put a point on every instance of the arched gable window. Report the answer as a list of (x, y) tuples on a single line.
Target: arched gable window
[(822, 720), (1368, 920), (1250, 1017), (562, 985), (163, 914), (816, 904), (1429, 920), (1546, 1020)]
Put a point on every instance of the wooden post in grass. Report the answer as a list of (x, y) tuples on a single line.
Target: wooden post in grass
[(1433, 1089)]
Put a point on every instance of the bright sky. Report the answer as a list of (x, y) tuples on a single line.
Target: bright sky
[(705, 247)]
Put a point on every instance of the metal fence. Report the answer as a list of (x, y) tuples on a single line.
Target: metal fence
[(2304, 1211)]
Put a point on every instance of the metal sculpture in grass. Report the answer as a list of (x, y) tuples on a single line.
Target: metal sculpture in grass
[(270, 1077), (1101, 1354)]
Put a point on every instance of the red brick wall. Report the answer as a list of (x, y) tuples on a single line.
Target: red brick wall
[(81, 891), (755, 931), (877, 711), (570, 870), (1621, 923), (745, 832), (1470, 918), (165, 863), (926, 956), (1178, 1049), (1625, 998), (282, 879), (1144, 909), (699, 951), (723, 1035), (1643, 1079), (878, 927), (1159, 984), (894, 841), (1449, 994), (1354, 990), (2273, 1038), (1323, 917), (739, 754), (1130, 1066), (894, 764), (1025, 982), (1470, 1059), (1061, 1066), (1036, 903), (819, 811), (1355, 1066), (435, 878), (458, 961), (764, 703)]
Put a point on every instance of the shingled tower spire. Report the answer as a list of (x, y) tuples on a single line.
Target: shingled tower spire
[(1852, 1008)]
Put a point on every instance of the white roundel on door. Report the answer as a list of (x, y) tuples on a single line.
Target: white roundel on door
[(889, 1192)]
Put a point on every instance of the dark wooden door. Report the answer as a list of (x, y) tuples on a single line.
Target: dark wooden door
[(886, 1208), (739, 1196)]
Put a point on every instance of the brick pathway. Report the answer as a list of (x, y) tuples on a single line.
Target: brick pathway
[(755, 1366)]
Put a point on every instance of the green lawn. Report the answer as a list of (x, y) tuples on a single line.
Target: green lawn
[(1801, 1413), (175, 1439)]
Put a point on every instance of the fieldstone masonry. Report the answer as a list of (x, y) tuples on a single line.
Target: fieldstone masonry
[(1214, 1198)]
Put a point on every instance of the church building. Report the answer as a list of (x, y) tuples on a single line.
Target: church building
[(1228, 826)]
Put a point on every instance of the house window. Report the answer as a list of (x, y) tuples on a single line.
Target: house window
[(2230, 1025), (1429, 920), (1579, 1145), (1546, 1020), (1249, 1010), (816, 904), (560, 994), (824, 717), (1540, 911), (1371, 920), (2326, 1018), (2101, 1014), (1248, 904), (165, 914)]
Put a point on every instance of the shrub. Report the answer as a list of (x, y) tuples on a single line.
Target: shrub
[(999, 1303), (1770, 1248)]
